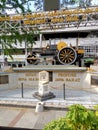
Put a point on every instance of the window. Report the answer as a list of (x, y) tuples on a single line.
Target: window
[(51, 76), (14, 65), (19, 65)]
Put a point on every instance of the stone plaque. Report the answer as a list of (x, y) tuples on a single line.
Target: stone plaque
[(4, 79), (44, 77), (94, 80)]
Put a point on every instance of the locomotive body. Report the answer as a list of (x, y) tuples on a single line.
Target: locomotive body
[(60, 54)]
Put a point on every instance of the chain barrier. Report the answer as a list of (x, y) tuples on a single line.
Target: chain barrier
[(60, 87), (26, 90)]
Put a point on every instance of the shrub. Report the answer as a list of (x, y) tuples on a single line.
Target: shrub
[(59, 124), (80, 118), (77, 118)]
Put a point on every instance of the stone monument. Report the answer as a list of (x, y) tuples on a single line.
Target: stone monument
[(43, 90)]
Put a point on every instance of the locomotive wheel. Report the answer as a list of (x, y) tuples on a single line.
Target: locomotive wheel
[(31, 59), (67, 56)]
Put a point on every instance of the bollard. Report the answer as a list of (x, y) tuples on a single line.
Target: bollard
[(39, 107)]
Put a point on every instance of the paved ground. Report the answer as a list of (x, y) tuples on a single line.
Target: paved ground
[(70, 94), (16, 111), (27, 117)]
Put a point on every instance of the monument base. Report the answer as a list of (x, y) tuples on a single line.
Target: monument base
[(44, 97)]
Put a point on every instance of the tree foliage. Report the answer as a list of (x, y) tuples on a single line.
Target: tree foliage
[(11, 37), (9, 42), (17, 5), (80, 118)]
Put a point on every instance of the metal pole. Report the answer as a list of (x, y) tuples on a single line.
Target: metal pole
[(22, 90), (64, 91)]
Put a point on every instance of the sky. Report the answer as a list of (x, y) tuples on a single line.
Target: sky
[(94, 2)]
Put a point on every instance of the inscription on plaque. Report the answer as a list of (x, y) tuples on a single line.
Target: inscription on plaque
[(4, 79)]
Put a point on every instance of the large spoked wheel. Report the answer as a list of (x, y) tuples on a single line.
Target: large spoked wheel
[(32, 59), (67, 56)]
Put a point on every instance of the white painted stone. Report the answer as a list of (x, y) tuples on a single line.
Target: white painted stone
[(43, 89), (39, 107), (43, 83), (43, 77)]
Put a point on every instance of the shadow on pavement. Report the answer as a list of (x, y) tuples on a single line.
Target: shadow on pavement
[(13, 128)]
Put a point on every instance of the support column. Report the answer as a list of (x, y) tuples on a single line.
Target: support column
[(41, 40), (2, 53), (25, 53)]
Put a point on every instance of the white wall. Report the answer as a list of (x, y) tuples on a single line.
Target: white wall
[(71, 79)]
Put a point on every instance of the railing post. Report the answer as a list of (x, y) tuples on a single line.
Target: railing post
[(22, 90), (64, 91)]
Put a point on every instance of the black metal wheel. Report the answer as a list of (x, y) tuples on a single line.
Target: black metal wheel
[(32, 59), (67, 56)]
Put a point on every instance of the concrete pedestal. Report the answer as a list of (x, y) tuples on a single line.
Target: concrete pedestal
[(43, 89), (44, 97)]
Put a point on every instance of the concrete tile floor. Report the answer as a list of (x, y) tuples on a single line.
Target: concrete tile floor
[(27, 117)]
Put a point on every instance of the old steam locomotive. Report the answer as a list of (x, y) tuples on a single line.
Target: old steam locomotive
[(60, 53)]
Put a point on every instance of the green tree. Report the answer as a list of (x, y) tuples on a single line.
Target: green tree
[(9, 42), (17, 5), (81, 118), (11, 35)]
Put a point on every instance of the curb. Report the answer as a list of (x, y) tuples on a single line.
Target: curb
[(53, 104)]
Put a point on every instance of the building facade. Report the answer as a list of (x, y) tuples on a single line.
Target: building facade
[(77, 26)]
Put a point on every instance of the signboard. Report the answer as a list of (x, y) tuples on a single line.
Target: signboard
[(54, 16)]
